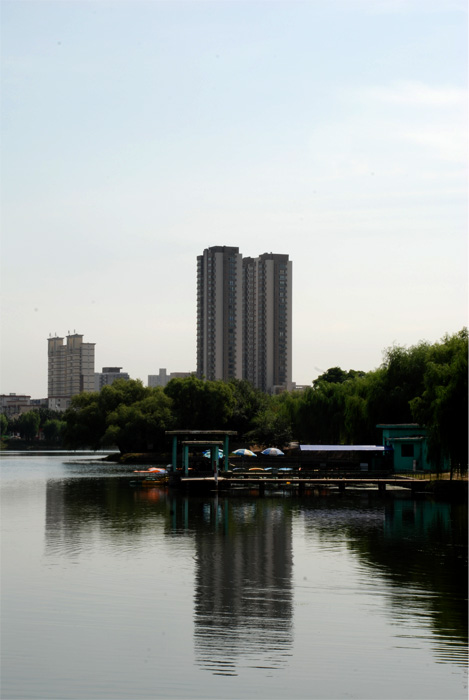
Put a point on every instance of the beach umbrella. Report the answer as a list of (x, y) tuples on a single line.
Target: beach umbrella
[(273, 451), (208, 454), (244, 453)]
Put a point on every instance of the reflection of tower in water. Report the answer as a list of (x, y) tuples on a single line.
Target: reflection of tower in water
[(243, 597)]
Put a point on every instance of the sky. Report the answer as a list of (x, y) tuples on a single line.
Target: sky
[(137, 134)]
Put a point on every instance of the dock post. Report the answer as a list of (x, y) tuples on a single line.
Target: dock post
[(226, 451), (185, 459), (175, 452), (382, 487), (342, 487), (214, 460)]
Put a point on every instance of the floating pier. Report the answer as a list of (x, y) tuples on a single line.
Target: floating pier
[(228, 482)]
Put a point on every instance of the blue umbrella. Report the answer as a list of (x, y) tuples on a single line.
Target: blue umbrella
[(208, 454), (244, 453), (274, 451)]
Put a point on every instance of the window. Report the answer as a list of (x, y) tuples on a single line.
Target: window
[(407, 450)]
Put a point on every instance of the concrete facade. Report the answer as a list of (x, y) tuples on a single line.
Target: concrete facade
[(162, 378), (219, 313), (13, 405), (267, 322), (70, 370), (108, 376)]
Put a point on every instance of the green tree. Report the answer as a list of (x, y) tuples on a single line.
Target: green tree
[(336, 375), (87, 417), (28, 425), (53, 430), (86, 422), (142, 425), (271, 426), (442, 406), (320, 414), (46, 414), (247, 403), (3, 424), (199, 404)]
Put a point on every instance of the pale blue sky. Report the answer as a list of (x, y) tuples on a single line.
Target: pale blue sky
[(136, 134)]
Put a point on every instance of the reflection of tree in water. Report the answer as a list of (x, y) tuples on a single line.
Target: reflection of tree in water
[(419, 548), (243, 596), (425, 549), (76, 507)]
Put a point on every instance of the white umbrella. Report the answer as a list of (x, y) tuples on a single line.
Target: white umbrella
[(244, 453), (274, 451)]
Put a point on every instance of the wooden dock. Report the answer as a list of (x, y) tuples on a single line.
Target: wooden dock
[(301, 483)]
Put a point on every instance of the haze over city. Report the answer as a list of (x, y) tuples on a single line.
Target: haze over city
[(137, 134)]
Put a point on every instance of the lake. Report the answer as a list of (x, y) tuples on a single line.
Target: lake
[(115, 591)]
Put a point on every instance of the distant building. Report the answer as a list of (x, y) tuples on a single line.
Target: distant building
[(244, 318), (162, 378), (108, 376), (39, 403), (13, 405), (70, 370)]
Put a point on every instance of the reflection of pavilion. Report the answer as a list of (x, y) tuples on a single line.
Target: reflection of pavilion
[(243, 595)]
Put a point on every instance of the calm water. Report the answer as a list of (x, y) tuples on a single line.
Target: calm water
[(118, 592)]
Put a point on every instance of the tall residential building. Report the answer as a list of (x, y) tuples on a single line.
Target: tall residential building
[(267, 322), (108, 376), (70, 370), (219, 313), (244, 318)]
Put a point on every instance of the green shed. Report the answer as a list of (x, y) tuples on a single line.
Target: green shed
[(410, 447)]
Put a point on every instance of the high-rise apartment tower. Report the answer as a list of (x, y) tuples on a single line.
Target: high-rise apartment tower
[(267, 323), (244, 318), (70, 370), (219, 313)]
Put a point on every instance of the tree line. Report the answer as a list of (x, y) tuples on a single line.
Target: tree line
[(28, 425), (425, 383)]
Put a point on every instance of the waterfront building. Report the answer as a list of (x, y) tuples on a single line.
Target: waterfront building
[(408, 443), (108, 376), (244, 318), (70, 370)]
